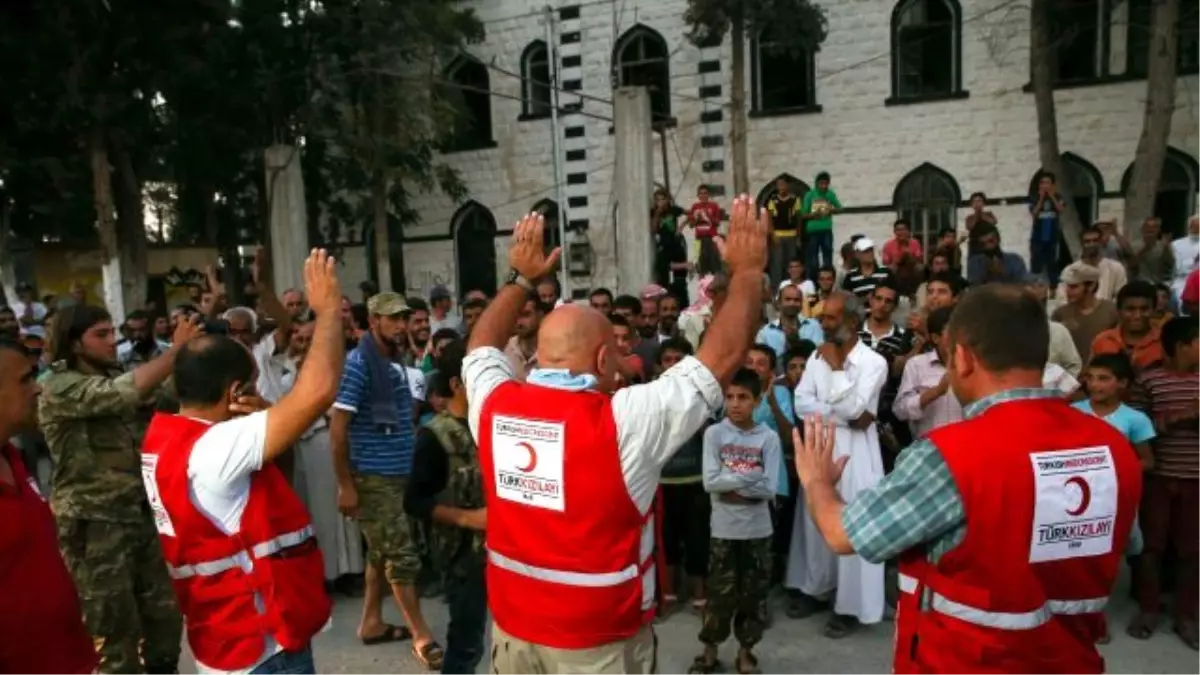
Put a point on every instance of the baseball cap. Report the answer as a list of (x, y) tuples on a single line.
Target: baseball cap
[(863, 244), (439, 292), (1080, 274), (388, 303)]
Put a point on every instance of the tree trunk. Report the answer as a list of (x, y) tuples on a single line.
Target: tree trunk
[(737, 104), (1041, 62), (106, 224), (379, 214), (131, 228), (1156, 123)]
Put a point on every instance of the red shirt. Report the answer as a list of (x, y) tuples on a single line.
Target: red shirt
[(893, 251), (698, 214), (41, 627)]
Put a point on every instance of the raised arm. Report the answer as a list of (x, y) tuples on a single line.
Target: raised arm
[(268, 300), (728, 336), (317, 381)]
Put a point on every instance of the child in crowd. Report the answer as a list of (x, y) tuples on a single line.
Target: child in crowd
[(630, 367), (704, 218), (794, 362), (1108, 377), (686, 506), (740, 463)]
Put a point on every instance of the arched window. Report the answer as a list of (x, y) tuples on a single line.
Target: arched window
[(469, 88), (536, 97), (1083, 182), (474, 230), (927, 197), (549, 209), (798, 188), (782, 78), (1177, 187), (641, 59), (926, 49)]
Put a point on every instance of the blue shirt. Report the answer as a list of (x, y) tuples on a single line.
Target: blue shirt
[(762, 415), (374, 450), (1133, 424), (773, 336), (1046, 229)]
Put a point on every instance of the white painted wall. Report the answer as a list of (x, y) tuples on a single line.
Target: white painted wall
[(988, 141)]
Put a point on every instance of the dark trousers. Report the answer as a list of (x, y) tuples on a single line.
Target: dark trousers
[(466, 598), (686, 509), (1043, 259), (288, 663), (739, 577), (783, 251), (819, 251), (1170, 515)]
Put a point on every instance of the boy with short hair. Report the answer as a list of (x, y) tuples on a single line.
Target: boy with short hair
[(1108, 376), (740, 466)]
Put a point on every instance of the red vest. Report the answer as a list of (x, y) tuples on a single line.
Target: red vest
[(216, 594), (570, 560), (1050, 494)]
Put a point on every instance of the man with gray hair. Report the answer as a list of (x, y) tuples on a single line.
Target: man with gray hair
[(842, 382), (242, 325)]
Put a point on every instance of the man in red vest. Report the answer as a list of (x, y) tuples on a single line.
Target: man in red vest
[(237, 540), (1009, 526), (570, 469)]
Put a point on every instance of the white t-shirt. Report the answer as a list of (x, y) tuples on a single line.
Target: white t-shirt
[(416, 381), (39, 313), (219, 472)]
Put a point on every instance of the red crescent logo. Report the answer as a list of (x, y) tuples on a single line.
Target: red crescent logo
[(532, 458), (1086, 498)]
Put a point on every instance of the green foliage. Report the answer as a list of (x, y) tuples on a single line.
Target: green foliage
[(790, 26), (192, 91)]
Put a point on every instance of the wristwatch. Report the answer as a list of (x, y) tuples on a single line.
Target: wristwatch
[(514, 277)]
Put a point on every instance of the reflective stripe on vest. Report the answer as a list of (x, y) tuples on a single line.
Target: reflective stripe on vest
[(1006, 620), (263, 549), (583, 579)]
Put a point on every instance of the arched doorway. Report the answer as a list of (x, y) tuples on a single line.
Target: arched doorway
[(1177, 187), (928, 198), (798, 187), (474, 231), (1085, 185)]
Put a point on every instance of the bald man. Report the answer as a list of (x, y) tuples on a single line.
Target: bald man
[(570, 469)]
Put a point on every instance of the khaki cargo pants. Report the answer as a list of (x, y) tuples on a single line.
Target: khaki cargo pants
[(638, 654)]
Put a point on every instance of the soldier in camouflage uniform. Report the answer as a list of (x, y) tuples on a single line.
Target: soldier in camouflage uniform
[(89, 414), (453, 496)]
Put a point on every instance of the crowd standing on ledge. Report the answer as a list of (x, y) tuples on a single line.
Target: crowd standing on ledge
[(306, 445)]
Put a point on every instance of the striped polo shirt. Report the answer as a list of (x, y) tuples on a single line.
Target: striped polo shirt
[(374, 449), (1177, 449)]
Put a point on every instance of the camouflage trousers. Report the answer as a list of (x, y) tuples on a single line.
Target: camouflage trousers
[(128, 603), (739, 577)]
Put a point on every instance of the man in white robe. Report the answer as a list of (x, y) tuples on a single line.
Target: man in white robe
[(842, 381)]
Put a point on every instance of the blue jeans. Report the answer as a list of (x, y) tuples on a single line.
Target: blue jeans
[(818, 251), (466, 598), (1043, 258), (287, 663)]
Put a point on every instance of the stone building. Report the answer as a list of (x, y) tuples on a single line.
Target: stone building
[(911, 105)]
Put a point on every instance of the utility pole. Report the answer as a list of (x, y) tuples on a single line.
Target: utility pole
[(564, 275), (662, 138)]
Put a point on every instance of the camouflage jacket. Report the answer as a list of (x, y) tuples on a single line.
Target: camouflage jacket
[(90, 422), (455, 547)]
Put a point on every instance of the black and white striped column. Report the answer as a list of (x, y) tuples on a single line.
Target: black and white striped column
[(574, 145), (713, 128)]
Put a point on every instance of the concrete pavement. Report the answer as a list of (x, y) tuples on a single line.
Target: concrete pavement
[(789, 646)]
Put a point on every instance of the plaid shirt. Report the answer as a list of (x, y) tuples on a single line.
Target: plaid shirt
[(918, 502)]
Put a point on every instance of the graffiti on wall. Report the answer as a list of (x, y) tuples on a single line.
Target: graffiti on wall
[(424, 270)]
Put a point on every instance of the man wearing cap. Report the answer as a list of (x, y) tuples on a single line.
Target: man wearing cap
[(868, 274), (372, 432), (1085, 315), (440, 303)]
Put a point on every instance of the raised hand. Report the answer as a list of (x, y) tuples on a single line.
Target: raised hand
[(745, 250), (526, 253), (187, 328), (321, 283), (814, 453)]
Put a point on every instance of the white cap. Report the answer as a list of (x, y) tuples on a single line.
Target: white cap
[(864, 244)]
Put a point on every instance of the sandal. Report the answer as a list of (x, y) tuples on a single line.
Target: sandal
[(701, 665), (747, 663), (430, 654), (1189, 632), (1142, 626), (839, 626), (390, 634)]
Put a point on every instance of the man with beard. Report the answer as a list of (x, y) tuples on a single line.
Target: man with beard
[(141, 345), (418, 332), (88, 412), (371, 429), (521, 349), (843, 380), (668, 317), (784, 333), (1110, 274)]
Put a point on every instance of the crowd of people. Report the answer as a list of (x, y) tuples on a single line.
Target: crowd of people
[(309, 445)]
